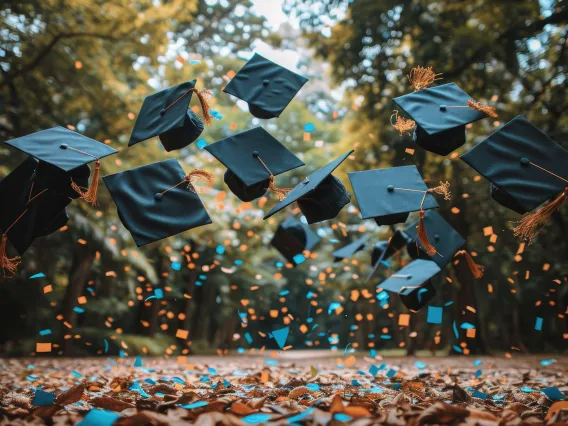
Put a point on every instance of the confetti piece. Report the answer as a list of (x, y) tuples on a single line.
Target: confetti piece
[(409, 151), (248, 337), (309, 127), (195, 405), (47, 289), (479, 394), (434, 315), (477, 362), (138, 361), (419, 365), (455, 328), (303, 414), (194, 62), (217, 115), (106, 345), (374, 370), (45, 332), (299, 259), (97, 417), (43, 347), (546, 362), (38, 275), (78, 310), (280, 336), (176, 266), (538, 324), (220, 249), (554, 394), (257, 418), (42, 398), (201, 143)]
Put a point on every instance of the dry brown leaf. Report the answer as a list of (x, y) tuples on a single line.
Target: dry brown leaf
[(442, 413), (357, 411), (109, 403), (336, 405), (161, 388), (241, 409), (257, 403), (298, 392), (71, 395)]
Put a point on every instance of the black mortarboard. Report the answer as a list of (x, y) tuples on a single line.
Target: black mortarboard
[(350, 249), (441, 235), (68, 153), (441, 114), (398, 241), (389, 195), (412, 283), (267, 87), (167, 114), (293, 237), (252, 158), (154, 201), (320, 195), (30, 209)]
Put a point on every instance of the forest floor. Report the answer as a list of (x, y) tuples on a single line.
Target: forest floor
[(296, 387)]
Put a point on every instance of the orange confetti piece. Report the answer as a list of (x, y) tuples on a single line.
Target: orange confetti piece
[(47, 289), (182, 334), (404, 319), (487, 231), (43, 347), (409, 151)]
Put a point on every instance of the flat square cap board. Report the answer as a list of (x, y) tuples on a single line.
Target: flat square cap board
[(350, 249), (167, 114), (245, 153), (309, 184), (390, 193), (149, 205), (62, 148), (267, 87), (411, 277), (513, 159), (441, 235)]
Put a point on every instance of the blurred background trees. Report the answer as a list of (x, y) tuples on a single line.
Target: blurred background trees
[(88, 66)]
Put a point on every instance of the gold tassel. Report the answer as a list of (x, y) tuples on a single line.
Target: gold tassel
[(204, 96), (423, 236), (421, 77), (475, 268), (198, 174), (443, 189), (280, 192), (402, 124), (529, 226), (9, 264), (489, 110), (90, 195)]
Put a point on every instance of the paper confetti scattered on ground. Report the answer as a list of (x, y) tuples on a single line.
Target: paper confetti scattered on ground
[(298, 390)]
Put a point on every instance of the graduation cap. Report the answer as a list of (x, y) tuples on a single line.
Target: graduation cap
[(398, 241), (320, 195), (167, 114), (267, 87), (292, 238), (440, 114), (68, 153), (412, 283), (30, 211), (526, 168), (389, 195), (350, 249), (252, 159), (158, 200)]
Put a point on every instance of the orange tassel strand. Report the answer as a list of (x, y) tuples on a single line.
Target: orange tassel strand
[(420, 77), (197, 174), (90, 195), (489, 110), (403, 125), (443, 189), (204, 97), (423, 236), (7, 264), (475, 268), (280, 192), (529, 226)]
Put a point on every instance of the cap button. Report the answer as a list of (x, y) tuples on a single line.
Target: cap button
[(390, 188), (409, 277), (306, 181), (436, 237), (163, 111), (265, 81), (63, 146), (255, 153), (443, 107), (525, 161), (158, 196)]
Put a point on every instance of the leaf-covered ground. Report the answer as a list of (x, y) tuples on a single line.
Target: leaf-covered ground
[(297, 390)]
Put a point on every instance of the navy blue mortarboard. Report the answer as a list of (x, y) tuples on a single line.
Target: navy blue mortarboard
[(441, 114), (398, 241), (292, 238), (252, 159), (158, 200), (389, 195), (167, 114), (267, 87), (350, 249), (525, 168), (412, 283), (320, 195), (67, 155)]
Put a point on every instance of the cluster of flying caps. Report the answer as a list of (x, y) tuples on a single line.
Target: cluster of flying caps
[(439, 114), (525, 168), (293, 238), (39, 189)]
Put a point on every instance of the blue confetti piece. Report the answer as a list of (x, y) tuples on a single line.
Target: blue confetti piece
[(42, 398), (254, 419), (201, 143), (342, 417), (242, 316), (526, 389), (455, 330), (194, 62), (383, 295), (434, 315), (450, 303), (480, 395), (205, 379), (309, 127), (79, 310), (373, 369), (121, 354), (477, 363), (198, 283), (113, 361), (271, 362), (457, 349), (498, 397), (241, 350), (106, 345), (386, 336), (45, 332), (355, 382), (314, 387), (30, 366), (419, 365), (478, 373), (391, 373), (546, 362), (176, 266), (75, 374), (238, 262), (373, 353), (467, 326), (211, 370), (159, 293), (299, 259), (138, 361), (216, 114), (248, 337), (333, 306), (284, 293), (220, 249), (195, 405), (97, 417), (300, 416), (178, 380), (554, 394), (38, 275), (538, 324), (281, 335)]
